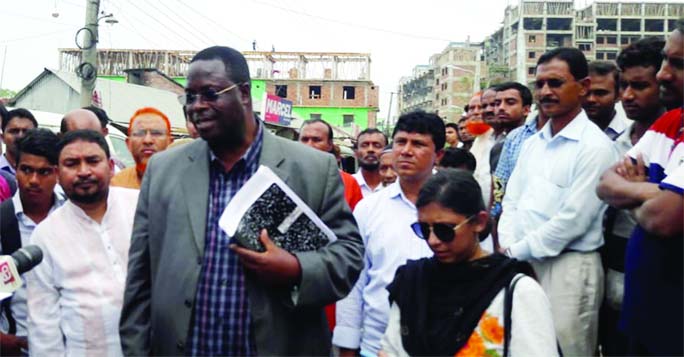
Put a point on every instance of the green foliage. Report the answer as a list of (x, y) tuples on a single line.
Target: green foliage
[(7, 93)]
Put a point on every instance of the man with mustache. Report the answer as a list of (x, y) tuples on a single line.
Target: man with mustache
[(33, 202), (484, 141), (417, 145), (369, 145), (149, 132), (75, 295), (604, 92), (649, 181), (639, 62), (551, 215)]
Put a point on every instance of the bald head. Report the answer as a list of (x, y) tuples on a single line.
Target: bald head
[(80, 119)]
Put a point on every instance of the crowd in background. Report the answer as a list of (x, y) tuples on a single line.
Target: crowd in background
[(548, 220)]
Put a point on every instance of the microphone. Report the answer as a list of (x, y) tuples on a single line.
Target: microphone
[(11, 267), (27, 258)]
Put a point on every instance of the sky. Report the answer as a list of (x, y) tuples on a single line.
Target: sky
[(398, 34)]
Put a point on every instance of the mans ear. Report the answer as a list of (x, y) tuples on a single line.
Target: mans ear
[(585, 83)]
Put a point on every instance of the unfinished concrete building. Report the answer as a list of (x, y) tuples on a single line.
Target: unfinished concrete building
[(335, 87), (332, 86), (416, 92), (455, 73), (600, 30)]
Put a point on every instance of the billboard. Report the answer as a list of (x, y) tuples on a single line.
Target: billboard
[(277, 110)]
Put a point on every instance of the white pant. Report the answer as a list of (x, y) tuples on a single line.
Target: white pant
[(574, 284)]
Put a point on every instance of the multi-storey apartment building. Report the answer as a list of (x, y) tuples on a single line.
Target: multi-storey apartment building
[(600, 30), (455, 74)]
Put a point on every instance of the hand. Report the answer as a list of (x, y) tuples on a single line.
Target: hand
[(11, 345), (632, 172), (275, 266)]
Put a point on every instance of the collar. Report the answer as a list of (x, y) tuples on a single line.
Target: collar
[(252, 153), (572, 131), (19, 207), (394, 191), (617, 125)]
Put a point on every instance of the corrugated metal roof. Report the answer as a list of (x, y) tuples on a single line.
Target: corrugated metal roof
[(121, 100)]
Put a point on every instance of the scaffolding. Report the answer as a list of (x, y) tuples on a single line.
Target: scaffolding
[(309, 65), (113, 62)]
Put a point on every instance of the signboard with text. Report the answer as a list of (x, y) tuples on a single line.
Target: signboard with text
[(277, 110)]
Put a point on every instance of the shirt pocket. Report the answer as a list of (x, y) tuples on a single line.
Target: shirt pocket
[(546, 196)]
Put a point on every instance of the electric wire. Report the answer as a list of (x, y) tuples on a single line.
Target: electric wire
[(195, 31), (170, 29)]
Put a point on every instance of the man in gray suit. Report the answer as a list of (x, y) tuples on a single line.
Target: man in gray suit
[(189, 291)]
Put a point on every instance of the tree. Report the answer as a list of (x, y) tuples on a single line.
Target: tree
[(7, 93)]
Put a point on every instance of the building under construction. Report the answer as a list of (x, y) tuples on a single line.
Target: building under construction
[(600, 30), (445, 85), (335, 87)]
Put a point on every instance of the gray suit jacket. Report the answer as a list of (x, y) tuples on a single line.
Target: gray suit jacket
[(167, 250)]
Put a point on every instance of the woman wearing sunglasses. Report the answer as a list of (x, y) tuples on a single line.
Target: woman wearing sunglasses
[(453, 303)]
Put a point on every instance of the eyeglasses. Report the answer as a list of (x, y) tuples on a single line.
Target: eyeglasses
[(443, 231), (553, 83), (155, 133), (208, 95)]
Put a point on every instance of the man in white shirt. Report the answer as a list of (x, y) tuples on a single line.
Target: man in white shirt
[(551, 214), (76, 293), (369, 145), (384, 221), (604, 93), (34, 200)]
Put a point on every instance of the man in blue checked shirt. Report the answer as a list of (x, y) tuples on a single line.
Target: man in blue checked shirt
[(512, 105)]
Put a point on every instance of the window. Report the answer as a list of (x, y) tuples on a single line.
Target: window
[(611, 55), (630, 25), (348, 92), (315, 116), (437, 96), (532, 39), (530, 54), (671, 25), (600, 55), (437, 81), (444, 86), (611, 40), (606, 24), (654, 25), (347, 119), (600, 40), (281, 90), (314, 92), (532, 23), (559, 24), (530, 71), (585, 47)]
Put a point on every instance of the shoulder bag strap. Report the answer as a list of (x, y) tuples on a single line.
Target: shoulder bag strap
[(508, 308)]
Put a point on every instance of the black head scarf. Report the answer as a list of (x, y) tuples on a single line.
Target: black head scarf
[(441, 304)]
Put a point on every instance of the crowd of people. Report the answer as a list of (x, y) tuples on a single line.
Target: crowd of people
[(544, 222)]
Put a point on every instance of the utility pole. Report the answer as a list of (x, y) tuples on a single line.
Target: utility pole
[(389, 111), (88, 68)]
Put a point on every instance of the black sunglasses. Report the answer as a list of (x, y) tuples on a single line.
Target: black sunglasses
[(444, 231), (553, 83)]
